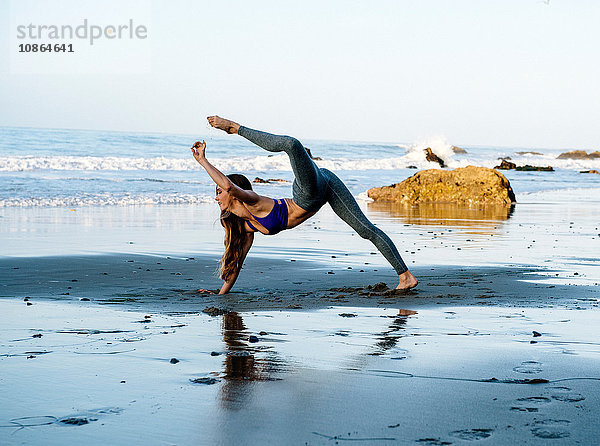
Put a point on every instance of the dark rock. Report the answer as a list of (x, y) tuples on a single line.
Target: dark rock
[(37, 335), (528, 168), (348, 314), (529, 153), (536, 334), (432, 157), (412, 167), (215, 354), (506, 165), (263, 333), (316, 158), (270, 180), (253, 339), (84, 299), (29, 303), (590, 171), (174, 361)]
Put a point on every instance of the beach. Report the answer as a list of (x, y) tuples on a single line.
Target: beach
[(105, 338), (466, 132)]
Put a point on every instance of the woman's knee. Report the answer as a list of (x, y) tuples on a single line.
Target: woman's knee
[(366, 231), (291, 144)]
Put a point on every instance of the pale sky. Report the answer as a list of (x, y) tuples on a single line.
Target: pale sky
[(517, 73)]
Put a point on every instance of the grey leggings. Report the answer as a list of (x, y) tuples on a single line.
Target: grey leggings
[(313, 187)]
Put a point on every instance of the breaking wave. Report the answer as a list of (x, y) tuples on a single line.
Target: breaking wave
[(414, 157)]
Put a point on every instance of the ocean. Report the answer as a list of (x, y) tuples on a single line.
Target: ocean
[(74, 168)]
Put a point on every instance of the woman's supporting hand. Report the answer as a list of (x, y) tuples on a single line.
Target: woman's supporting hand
[(199, 150)]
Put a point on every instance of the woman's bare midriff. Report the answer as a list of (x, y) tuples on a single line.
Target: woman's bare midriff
[(296, 214)]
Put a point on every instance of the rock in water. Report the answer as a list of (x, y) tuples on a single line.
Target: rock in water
[(270, 180), (590, 171), (579, 155), (506, 165), (458, 150), (528, 168), (529, 153), (465, 185), (316, 158), (430, 156)]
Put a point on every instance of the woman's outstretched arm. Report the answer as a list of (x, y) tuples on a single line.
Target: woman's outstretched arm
[(220, 179), (227, 285)]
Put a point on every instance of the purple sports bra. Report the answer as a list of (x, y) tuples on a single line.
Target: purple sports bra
[(277, 219)]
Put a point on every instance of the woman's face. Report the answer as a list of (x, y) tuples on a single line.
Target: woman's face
[(223, 198)]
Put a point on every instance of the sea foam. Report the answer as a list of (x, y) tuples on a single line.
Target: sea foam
[(106, 200), (415, 156)]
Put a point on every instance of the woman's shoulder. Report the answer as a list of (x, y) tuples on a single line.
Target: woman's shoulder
[(263, 203)]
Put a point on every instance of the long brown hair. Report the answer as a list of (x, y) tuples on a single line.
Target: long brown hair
[(235, 234)]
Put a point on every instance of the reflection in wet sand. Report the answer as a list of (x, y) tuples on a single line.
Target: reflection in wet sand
[(390, 337), (485, 218), (241, 364)]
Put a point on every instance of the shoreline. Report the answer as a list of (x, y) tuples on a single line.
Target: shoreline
[(169, 283)]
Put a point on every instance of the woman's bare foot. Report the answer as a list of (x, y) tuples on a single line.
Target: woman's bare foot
[(223, 124), (407, 281)]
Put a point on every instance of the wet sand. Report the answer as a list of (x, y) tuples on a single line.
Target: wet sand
[(105, 340), (85, 373), (170, 283)]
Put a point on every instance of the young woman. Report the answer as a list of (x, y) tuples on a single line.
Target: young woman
[(244, 212)]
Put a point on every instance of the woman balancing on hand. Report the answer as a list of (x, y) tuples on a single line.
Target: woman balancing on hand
[(244, 212)]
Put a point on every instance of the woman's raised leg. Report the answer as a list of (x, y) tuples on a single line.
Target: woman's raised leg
[(310, 186)]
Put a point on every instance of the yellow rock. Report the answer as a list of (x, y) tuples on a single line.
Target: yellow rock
[(465, 185)]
